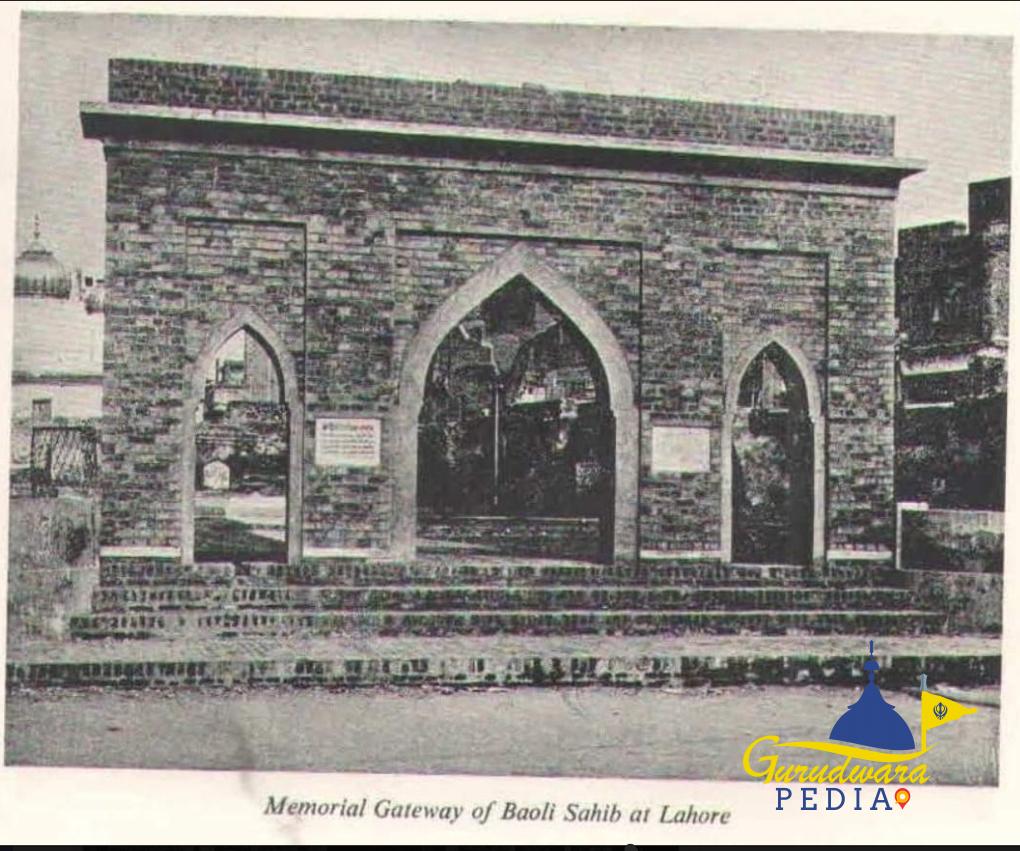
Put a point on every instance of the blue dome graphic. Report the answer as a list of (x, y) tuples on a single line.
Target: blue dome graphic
[(871, 722)]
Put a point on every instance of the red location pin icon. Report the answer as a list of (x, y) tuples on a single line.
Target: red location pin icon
[(902, 797)]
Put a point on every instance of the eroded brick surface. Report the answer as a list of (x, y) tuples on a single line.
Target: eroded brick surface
[(469, 104), (346, 257)]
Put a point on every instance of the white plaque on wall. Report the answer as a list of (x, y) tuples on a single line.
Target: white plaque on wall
[(677, 449), (347, 442)]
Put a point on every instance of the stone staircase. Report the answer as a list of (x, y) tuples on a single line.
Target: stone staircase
[(518, 537), (486, 597)]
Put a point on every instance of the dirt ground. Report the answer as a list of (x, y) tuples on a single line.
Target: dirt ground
[(250, 647), (594, 732)]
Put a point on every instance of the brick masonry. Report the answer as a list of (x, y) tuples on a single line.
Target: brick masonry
[(545, 670), (345, 256), (468, 104)]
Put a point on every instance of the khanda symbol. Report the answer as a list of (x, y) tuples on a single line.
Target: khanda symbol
[(937, 710)]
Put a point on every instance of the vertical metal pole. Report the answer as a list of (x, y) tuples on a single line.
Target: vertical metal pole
[(495, 443), (924, 727)]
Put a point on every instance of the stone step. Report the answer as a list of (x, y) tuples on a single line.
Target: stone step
[(569, 537), (465, 622), (168, 598), (484, 669), (360, 572), (506, 660)]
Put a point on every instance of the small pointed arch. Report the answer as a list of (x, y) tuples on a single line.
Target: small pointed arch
[(517, 262), (794, 352), (816, 415), (248, 320)]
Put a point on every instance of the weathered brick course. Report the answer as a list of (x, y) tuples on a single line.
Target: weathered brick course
[(345, 257), (525, 108)]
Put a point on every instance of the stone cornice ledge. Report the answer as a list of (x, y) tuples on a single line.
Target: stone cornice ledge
[(119, 122)]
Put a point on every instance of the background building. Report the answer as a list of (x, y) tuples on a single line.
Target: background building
[(57, 366), (952, 284)]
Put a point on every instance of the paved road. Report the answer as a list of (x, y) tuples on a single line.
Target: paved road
[(596, 732)]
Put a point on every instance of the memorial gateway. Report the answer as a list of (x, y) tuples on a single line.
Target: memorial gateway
[(377, 322)]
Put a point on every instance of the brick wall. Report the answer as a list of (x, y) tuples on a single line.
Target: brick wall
[(345, 258), (469, 104), (174, 277), (965, 273), (990, 222)]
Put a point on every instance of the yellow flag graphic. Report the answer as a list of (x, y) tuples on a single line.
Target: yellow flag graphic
[(937, 710)]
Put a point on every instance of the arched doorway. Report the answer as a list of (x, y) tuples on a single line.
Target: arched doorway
[(241, 464), (521, 279), (515, 435), (773, 459)]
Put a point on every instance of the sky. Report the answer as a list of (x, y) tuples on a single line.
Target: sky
[(950, 95)]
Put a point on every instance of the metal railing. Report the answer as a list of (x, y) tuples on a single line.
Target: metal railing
[(63, 456)]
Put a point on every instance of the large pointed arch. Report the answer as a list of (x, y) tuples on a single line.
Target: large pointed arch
[(246, 319), (516, 262), (816, 414)]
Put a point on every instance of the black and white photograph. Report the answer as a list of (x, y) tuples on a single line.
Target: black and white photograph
[(514, 400)]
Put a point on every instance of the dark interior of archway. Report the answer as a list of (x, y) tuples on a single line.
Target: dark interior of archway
[(515, 436), (772, 463), (241, 456)]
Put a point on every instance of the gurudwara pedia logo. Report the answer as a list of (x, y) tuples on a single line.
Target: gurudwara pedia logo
[(876, 745)]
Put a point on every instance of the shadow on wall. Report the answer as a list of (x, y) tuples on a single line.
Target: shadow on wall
[(953, 459), (952, 560), (53, 565), (952, 540), (972, 602)]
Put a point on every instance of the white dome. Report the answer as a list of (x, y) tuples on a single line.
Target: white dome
[(37, 272)]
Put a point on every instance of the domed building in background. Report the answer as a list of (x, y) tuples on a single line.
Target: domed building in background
[(38, 272), (57, 379)]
